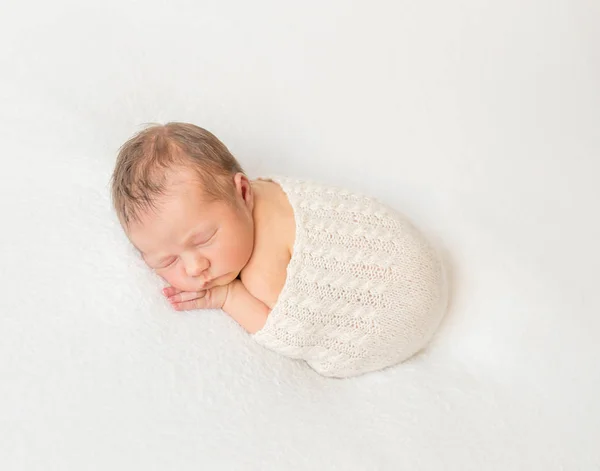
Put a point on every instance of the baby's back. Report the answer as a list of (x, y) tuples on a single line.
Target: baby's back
[(365, 289)]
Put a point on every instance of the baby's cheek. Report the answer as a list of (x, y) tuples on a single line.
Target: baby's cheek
[(168, 276), (243, 250), (226, 256)]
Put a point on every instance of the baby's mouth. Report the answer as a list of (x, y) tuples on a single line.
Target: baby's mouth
[(206, 283)]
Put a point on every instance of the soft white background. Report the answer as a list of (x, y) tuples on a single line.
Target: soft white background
[(478, 119)]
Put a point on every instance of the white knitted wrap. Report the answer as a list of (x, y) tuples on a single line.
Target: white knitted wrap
[(364, 289)]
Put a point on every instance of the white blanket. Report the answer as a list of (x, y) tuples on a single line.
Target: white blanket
[(480, 120)]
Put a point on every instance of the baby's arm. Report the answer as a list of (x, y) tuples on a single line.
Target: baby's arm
[(244, 308), (233, 298)]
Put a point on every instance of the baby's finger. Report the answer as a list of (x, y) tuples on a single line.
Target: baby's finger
[(187, 296), (170, 291), (197, 303)]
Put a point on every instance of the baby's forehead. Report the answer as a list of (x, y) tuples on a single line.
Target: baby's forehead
[(178, 188), (183, 204), (179, 177)]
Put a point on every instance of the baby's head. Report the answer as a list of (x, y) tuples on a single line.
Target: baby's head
[(185, 204)]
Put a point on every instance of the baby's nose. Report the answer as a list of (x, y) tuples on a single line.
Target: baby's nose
[(195, 266)]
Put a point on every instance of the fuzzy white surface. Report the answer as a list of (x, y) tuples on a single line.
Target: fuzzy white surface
[(477, 119)]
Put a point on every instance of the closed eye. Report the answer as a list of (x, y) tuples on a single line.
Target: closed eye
[(167, 263), (204, 241)]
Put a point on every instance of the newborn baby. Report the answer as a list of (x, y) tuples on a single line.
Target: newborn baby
[(310, 271)]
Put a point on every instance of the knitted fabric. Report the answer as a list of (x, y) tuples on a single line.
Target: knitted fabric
[(364, 288)]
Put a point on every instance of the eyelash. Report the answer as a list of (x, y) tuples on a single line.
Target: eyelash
[(168, 265), (206, 241)]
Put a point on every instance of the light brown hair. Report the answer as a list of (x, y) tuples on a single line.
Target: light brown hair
[(143, 161)]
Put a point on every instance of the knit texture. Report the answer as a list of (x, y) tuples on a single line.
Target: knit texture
[(364, 290)]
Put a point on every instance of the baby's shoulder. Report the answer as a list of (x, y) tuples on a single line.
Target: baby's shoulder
[(265, 274)]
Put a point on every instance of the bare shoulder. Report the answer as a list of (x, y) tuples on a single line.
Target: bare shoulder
[(274, 233)]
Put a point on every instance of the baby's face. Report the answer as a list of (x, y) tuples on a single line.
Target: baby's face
[(195, 245)]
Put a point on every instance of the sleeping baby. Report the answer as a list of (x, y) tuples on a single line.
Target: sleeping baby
[(313, 272)]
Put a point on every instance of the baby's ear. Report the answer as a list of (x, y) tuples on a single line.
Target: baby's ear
[(243, 189)]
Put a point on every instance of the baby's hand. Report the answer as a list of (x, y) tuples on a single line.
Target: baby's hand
[(212, 298)]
